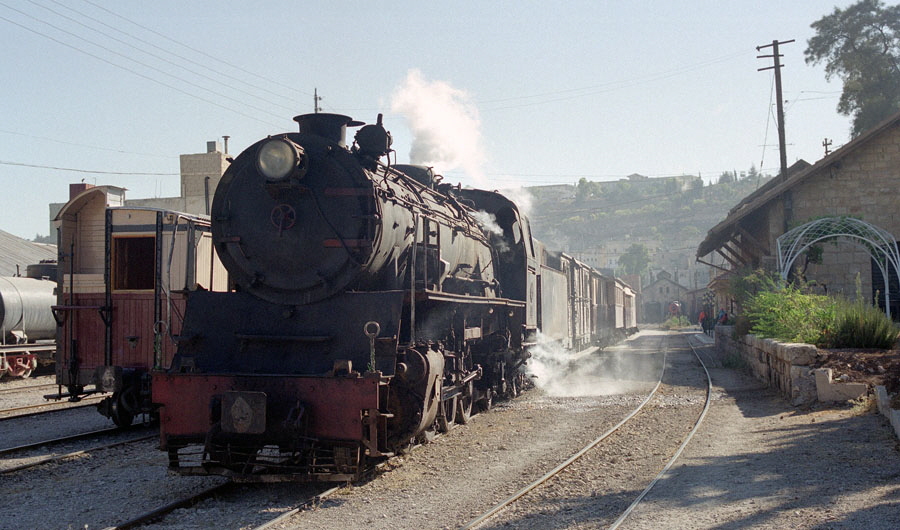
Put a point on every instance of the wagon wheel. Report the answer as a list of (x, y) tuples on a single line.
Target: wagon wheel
[(21, 367), (447, 416), (464, 404), (487, 399), (123, 407), (515, 386), (32, 365)]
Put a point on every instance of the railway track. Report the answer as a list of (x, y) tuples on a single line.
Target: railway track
[(224, 489), (56, 458), (60, 440), (558, 470), (10, 413), (25, 388)]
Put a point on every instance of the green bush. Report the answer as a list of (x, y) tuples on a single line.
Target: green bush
[(784, 312), (860, 325), (789, 315)]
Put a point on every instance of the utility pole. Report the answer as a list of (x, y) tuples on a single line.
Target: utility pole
[(780, 103), (316, 100), (826, 143), (786, 198)]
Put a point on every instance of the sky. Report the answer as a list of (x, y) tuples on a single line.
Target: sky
[(492, 94)]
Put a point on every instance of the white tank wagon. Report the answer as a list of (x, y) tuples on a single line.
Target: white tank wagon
[(25, 314), (26, 317)]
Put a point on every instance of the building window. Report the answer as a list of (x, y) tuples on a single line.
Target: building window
[(134, 263)]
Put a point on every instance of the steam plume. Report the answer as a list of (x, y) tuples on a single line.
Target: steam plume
[(564, 373), (445, 125)]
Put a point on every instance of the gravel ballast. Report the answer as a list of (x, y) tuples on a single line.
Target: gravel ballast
[(755, 462)]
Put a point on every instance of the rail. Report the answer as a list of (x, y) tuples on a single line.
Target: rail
[(555, 471)]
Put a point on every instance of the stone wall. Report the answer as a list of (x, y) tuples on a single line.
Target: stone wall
[(785, 367)]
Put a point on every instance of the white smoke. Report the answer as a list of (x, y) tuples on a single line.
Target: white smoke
[(488, 222), (522, 197), (563, 373), (445, 125)]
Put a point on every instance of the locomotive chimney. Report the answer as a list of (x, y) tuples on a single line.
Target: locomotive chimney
[(331, 126)]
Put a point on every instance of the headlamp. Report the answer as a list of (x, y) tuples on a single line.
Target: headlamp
[(279, 159)]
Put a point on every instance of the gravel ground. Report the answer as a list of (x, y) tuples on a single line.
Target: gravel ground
[(755, 462), (94, 490), (23, 392), (600, 486), (758, 462), (449, 482)]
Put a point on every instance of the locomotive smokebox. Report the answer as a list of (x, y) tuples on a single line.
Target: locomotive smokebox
[(330, 126)]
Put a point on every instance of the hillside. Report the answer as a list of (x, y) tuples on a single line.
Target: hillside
[(598, 221)]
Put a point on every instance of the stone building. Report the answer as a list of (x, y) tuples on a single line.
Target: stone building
[(836, 210), (657, 296), (200, 174)]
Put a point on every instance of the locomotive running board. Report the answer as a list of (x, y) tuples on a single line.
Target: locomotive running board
[(438, 296)]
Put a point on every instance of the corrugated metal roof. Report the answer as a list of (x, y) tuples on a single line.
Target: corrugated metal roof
[(17, 251)]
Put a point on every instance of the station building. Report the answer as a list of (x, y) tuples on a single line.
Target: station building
[(828, 223)]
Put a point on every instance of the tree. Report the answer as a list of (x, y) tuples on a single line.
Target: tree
[(583, 190), (861, 46), (726, 177), (752, 173), (635, 260)]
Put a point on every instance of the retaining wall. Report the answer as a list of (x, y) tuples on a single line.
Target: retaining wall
[(783, 366), (786, 367)]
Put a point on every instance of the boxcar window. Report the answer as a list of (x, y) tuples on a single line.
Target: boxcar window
[(134, 263)]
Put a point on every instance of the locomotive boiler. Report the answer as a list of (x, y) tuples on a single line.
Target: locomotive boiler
[(370, 305)]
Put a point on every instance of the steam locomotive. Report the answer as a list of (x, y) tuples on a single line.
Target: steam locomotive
[(370, 306)]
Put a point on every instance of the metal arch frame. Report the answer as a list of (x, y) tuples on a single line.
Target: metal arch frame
[(879, 243)]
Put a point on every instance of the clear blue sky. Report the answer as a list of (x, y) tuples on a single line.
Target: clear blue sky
[(510, 93)]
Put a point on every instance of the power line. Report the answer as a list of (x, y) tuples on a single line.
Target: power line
[(141, 63), (613, 85), (173, 63), (46, 139), (20, 164), (195, 50), (154, 55), (588, 90), (135, 72)]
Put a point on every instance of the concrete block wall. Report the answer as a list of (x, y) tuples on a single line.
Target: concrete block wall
[(884, 407)]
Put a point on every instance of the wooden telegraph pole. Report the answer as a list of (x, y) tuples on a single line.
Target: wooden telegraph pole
[(788, 207)]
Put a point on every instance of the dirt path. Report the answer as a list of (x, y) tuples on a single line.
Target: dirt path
[(758, 462)]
